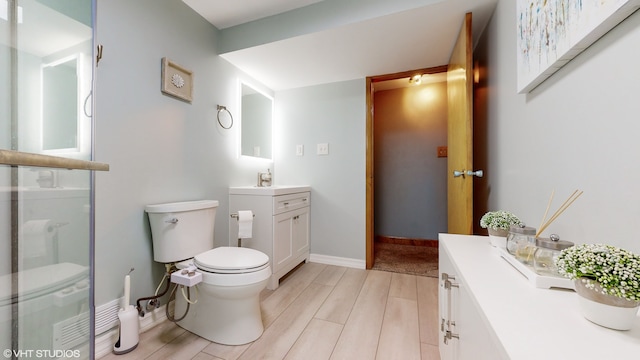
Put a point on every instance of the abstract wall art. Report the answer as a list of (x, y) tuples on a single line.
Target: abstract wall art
[(552, 32)]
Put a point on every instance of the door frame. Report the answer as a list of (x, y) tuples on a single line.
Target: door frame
[(369, 172)]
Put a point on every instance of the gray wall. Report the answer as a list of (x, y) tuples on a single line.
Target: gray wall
[(334, 114), (410, 180), (160, 149), (577, 130)]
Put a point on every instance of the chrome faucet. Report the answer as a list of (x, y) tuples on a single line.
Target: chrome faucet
[(264, 179)]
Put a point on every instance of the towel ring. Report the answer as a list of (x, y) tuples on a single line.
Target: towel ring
[(224, 108)]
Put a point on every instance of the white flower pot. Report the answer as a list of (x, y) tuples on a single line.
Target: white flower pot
[(606, 310), (498, 238)]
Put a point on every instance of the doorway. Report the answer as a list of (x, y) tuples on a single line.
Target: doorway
[(406, 160)]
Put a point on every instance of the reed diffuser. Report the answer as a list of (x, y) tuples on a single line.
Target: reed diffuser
[(526, 252), (545, 223)]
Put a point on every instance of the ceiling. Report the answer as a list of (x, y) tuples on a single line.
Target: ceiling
[(339, 40)]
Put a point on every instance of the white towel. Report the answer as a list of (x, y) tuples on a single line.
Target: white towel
[(245, 224)]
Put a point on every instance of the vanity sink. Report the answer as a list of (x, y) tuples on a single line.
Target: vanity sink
[(268, 190)]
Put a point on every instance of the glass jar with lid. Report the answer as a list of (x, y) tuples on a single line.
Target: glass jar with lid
[(547, 251), (521, 243)]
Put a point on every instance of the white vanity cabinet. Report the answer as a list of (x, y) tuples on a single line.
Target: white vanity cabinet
[(281, 225), (494, 312)]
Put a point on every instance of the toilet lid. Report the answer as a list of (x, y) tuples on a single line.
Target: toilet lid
[(231, 260), (43, 281)]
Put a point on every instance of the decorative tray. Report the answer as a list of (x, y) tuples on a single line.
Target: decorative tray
[(536, 280)]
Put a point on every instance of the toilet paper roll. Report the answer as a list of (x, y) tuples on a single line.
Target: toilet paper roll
[(36, 234), (245, 224)]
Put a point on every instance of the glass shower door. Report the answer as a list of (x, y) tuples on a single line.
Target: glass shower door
[(46, 74)]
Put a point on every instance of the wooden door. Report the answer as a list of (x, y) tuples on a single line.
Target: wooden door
[(460, 133)]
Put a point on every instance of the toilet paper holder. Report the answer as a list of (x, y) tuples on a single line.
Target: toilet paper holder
[(235, 215)]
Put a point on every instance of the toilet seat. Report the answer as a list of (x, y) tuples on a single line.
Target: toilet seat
[(231, 260)]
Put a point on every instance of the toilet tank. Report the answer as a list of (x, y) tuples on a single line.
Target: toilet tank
[(181, 230)]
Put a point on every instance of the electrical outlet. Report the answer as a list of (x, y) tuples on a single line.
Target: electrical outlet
[(299, 150), (323, 149)]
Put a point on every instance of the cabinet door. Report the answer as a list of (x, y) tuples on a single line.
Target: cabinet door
[(300, 231), (475, 340), (282, 240)]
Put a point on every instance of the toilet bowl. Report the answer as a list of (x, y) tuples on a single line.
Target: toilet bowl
[(225, 306), (227, 310)]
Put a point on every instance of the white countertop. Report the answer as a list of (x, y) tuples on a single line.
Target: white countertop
[(532, 323), (268, 190)]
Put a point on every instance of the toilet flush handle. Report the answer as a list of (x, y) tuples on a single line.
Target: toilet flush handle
[(172, 221)]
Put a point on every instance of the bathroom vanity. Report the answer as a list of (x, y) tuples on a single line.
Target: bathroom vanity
[(280, 224), (489, 310)]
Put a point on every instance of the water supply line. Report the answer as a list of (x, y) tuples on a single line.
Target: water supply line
[(167, 277), (172, 297)]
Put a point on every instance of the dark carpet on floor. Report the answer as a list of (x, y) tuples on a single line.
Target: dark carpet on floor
[(406, 259)]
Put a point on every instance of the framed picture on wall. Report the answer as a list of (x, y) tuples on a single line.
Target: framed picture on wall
[(177, 81), (552, 32)]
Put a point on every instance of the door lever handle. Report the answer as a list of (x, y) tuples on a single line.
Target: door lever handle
[(477, 173)]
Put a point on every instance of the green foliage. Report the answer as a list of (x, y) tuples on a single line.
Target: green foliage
[(616, 270), (499, 220)]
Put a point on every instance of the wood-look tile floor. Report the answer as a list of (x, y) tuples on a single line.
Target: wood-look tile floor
[(323, 312)]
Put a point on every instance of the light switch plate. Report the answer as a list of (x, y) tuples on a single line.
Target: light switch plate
[(299, 150), (442, 151), (323, 149)]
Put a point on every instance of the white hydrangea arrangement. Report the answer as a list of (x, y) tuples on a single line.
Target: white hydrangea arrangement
[(616, 270), (500, 219)]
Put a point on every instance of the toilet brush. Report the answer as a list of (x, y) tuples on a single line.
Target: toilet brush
[(128, 335)]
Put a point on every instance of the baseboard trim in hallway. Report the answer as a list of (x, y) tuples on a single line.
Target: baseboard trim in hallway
[(406, 241)]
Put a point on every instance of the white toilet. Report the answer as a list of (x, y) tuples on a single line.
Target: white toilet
[(228, 298)]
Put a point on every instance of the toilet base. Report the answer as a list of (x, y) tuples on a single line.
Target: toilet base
[(228, 315)]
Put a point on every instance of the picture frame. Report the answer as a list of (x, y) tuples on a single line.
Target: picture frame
[(177, 81), (550, 33)]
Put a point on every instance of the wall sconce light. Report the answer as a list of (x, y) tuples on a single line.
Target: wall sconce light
[(415, 79)]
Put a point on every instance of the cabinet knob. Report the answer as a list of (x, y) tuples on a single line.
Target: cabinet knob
[(446, 277), (448, 335)]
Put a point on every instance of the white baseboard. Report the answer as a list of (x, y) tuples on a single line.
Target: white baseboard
[(105, 341), (338, 261)]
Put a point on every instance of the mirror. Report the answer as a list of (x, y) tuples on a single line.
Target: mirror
[(60, 104), (256, 123)]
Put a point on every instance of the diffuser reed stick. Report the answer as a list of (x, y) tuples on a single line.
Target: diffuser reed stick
[(547, 210), (576, 194)]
